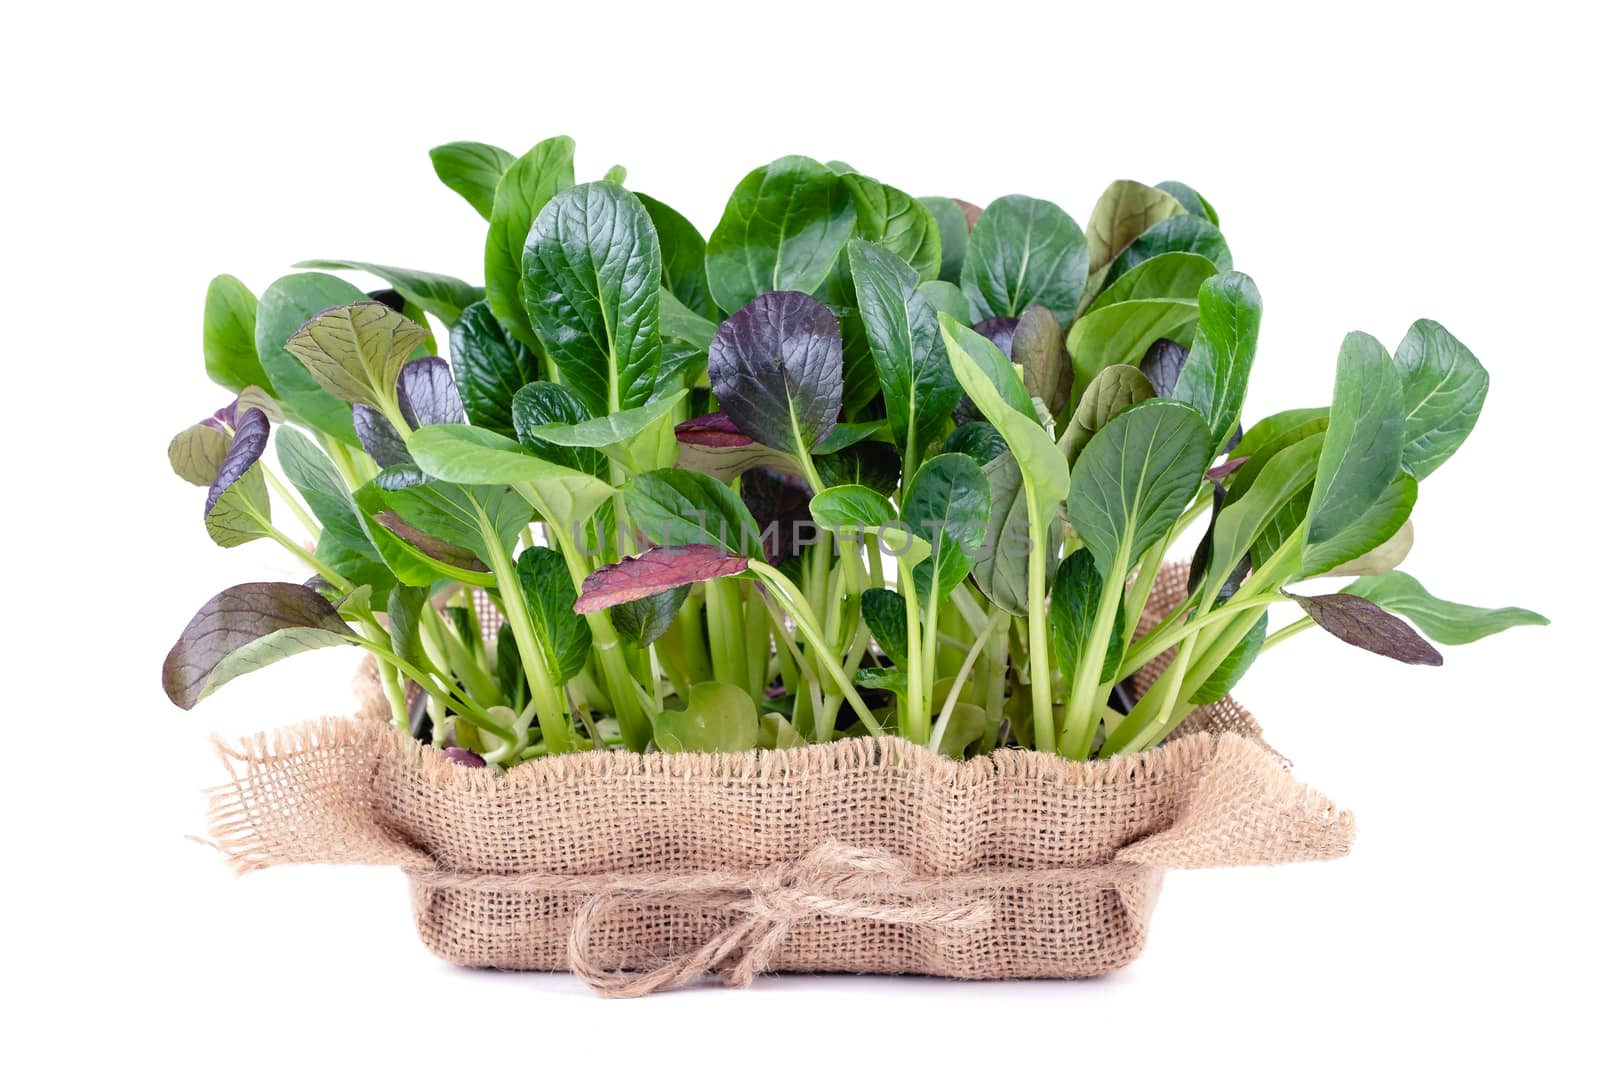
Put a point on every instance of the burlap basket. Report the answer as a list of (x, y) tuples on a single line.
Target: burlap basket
[(641, 872)]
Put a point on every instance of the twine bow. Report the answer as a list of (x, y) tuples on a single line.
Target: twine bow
[(833, 879)]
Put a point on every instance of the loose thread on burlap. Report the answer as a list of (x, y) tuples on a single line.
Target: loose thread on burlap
[(833, 879)]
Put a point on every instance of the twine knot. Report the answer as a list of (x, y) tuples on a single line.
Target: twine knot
[(833, 879)]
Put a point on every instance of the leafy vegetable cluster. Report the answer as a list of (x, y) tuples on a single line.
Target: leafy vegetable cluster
[(858, 462)]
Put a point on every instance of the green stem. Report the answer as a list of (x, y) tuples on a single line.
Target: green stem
[(1082, 713), (548, 705), (1153, 644), (311, 526), (1277, 636), (979, 644), (1044, 726), (787, 595), (333, 577)]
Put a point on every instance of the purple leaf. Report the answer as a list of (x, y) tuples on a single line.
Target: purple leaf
[(1358, 621), (715, 430), (430, 546), (972, 211), (780, 503), (464, 756), (1161, 364), (427, 393), (654, 571), (378, 437), (249, 442), (245, 628), (777, 369), (1000, 329)]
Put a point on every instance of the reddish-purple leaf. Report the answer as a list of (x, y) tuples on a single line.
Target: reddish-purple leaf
[(972, 211), (433, 547), (1000, 329), (715, 430), (656, 571), (1358, 621), (464, 756), (777, 369), (714, 446), (1225, 468)]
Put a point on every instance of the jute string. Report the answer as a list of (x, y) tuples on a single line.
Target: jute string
[(833, 879)]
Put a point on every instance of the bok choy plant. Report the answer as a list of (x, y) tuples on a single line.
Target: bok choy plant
[(857, 463)]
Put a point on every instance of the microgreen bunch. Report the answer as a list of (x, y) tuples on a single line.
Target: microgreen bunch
[(859, 463)]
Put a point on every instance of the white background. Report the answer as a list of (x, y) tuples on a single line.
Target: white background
[(1371, 165)]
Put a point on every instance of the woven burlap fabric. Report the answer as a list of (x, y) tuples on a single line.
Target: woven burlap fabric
[(1058, 863)]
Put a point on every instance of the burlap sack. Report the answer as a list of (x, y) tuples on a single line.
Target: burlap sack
[(641, 872)]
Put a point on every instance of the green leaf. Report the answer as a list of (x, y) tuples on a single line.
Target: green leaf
[(783, 228), (1233, 666), (1169, 276), (1180, 233), (1192, 202), (592, 280), (1372, 529), (612, 433), (473, 170), (849, 507), (1447, 622), (1074, 602), (885, 613), (893, 219), (475, 456), (873, 464), (450, 513), (405, 605), (1025, 251), (981, 369), (1444, 389), (356, 351), (437, 294), (777, 732), (1122, 333), (952, 223), (1001, 377), (1217, 371), (1248, 513), (1124, 211), (243, 629), (1278, 431), (1000, 564), (540, 405), (678, 507), (1366, 424), (527, 186), (1115, 389), (919, 388), (980, 440), (683, 261), (719, 718), (230, 336), (947, 505), (548, 591), (967, 723), (643, 621), (1135, 477), (490, 366), (285, 307), (616, 173), (196, 453), (943, 296), (318, 481)]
